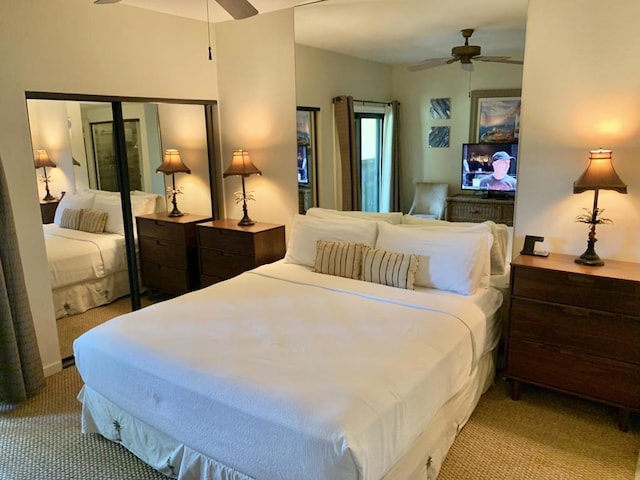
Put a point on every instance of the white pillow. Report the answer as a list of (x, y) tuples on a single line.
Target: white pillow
[(111, 205), (156, 202), (75, 201), (306, 231), (456, 261), (499, 231), (389, 217)]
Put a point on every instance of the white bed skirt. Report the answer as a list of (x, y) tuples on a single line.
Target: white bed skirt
[(78, 298), (176, 460)]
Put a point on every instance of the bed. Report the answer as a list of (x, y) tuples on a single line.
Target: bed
[(87, 261), (305, 368)]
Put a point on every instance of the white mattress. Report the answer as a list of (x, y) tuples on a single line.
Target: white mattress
[(282, 363), (75, 256)]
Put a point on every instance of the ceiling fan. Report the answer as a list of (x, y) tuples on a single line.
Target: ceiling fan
[(463, 54), (238, 9)]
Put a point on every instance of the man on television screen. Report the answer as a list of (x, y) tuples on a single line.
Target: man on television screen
[(499, 179)]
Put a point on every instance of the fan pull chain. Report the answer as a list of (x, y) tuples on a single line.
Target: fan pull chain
[(209, 30)]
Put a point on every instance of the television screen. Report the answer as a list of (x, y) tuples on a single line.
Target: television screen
[(489, 167)]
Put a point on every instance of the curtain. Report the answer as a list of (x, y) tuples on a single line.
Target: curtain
[(349, 162), (390, 194), (21, 374)]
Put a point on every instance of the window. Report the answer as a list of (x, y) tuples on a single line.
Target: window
[(369, 148)]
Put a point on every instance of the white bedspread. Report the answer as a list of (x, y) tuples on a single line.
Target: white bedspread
[(282, 373), (75, 256)]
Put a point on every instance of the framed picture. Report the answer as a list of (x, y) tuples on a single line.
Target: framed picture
[(495, 116), (439, 137), (440, 109)]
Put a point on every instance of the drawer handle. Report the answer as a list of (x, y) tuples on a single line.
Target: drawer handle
[(580, 279)]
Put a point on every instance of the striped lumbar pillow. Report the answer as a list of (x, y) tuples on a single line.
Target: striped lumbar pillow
[(93, 221), (342, 259), (70, 218), (389, 268)]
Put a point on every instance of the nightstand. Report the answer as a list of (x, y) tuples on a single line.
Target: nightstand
[(169, 251), (576, 329), (48, 210), (226, 249)]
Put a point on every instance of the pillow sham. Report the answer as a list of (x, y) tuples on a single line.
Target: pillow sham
[(75, 201), (93, 221), (454, 261), (341, 259), (499, 231), (70, 218), (111, 204), (389, 217), (306, 231), (389, 268)]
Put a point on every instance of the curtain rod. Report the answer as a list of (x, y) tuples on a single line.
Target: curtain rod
[(373, 101)]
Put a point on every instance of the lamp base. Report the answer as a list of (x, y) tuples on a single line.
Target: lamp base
[(246, 221), (590, 257), (175, 212), (48, 197)]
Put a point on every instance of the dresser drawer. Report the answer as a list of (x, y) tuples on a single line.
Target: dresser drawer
[(472, 212), (222, 264), (173, 232), (598, 378), (600, 293), (163, 253), (227, 240), (166, 279), (592, 331)]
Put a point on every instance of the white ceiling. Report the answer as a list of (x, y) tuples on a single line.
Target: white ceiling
[(388, 31)]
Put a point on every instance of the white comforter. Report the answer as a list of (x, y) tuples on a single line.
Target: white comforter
[(75, 256), (284, 373)]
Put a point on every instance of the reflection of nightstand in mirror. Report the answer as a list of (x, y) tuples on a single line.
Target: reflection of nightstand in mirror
[(48, 210)]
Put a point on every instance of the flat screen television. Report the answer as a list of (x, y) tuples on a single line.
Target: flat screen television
[(490, 168)]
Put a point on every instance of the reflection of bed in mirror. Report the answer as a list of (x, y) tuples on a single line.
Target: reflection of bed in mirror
[(316, 374), (87, 261)]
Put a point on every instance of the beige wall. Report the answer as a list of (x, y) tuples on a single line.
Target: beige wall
[(581, 91), (256, 78), (322, 75)]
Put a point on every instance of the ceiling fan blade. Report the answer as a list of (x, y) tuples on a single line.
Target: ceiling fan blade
[(104, 2), (430, 63), (499, 60), (238, 9)]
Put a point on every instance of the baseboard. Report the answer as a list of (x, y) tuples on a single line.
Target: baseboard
[(53, 368)]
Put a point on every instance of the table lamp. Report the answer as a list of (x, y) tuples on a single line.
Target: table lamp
[(242, 165), (171, 165), (43, 161), (599, 175)]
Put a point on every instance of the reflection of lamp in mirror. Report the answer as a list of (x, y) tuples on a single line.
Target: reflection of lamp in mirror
[(43, 161), (171, 165), (242, 165), (599, 175)]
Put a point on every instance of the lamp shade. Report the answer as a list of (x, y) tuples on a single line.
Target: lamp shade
[(172, 163), (599, 174), (43, 160), (241, 164)]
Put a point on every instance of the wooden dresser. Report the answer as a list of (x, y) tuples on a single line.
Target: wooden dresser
[(48, 210), (576, 329), (226, 249), (473, 208), (169, 251)]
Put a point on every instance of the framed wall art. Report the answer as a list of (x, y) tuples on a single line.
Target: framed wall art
[(495, 116)]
